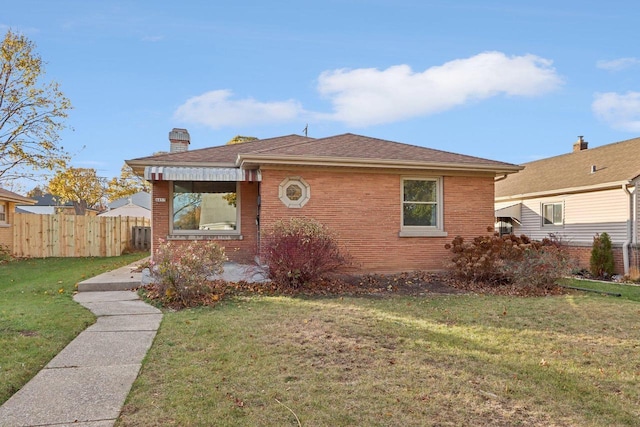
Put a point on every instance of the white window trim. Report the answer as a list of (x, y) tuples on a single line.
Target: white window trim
[(556, 225), (421, 230), (4, 211), (204, 233)]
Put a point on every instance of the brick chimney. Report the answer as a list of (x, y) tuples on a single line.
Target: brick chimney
[(580, 144), (179, 139)]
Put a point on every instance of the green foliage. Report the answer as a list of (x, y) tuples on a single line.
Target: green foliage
[(301, 251), (182, 272), (31, 112), (601, 263), (508, 259)]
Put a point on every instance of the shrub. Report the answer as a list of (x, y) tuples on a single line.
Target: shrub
[(539, 268), (508, 259), (301, 251), (601, 263), (5, 254), (481, 259), (181, 272)]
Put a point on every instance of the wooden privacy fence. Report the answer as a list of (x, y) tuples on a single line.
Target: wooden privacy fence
[(61, 235)]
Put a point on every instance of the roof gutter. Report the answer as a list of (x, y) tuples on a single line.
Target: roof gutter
[(249, 160)]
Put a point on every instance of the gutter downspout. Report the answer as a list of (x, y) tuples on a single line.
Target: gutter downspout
[(625, 245)]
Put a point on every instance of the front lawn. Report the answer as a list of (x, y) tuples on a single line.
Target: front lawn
[(626, 291), (394, 361), (38, 316)]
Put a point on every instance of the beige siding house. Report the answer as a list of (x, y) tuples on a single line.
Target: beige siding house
[(8, 202), (576, 196)]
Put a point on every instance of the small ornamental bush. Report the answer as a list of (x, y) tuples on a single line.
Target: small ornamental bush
[(601, 263), (539, 268), (181, 272), (508, 259), (5, 254), (301, 251)]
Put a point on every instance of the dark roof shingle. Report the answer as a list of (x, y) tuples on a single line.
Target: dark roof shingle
[(613, 163), (345, 146)]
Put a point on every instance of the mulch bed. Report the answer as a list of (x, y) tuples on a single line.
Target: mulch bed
[(370, 285)]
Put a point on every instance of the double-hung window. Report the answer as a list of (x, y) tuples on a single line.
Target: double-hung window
[(422, 207), (205, 207), (3, 212), (552, 214)]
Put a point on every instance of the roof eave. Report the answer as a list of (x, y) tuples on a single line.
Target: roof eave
[(569, 190), (249, 160), (139, 165)]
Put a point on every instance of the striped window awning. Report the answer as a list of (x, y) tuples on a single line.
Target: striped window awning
[(170, 173)]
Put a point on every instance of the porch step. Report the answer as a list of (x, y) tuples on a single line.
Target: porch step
[(120, 279)]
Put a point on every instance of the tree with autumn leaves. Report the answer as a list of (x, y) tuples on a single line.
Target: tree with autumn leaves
[(80, 186), (32, 113)]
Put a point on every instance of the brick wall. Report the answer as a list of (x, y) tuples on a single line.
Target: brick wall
[(364, 208), (239, 250), (582, 255)]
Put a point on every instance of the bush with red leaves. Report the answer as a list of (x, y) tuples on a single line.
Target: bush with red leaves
[(302, 251)]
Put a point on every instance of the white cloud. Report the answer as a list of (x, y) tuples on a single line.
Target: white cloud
[(369, 96), (618, 64), (216, 109), (620, 111)]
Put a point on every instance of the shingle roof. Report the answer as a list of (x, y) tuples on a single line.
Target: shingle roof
[(14, 197), (614, 163), (224, 154), (345, 146)]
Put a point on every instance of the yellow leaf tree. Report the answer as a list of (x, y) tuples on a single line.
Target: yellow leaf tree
[(31, 112), (80, 186), (127, 185)]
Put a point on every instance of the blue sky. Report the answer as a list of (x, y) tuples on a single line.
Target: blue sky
[(507, 80)]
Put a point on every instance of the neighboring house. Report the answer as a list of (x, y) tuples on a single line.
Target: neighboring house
[(576, 196), (8, 202), (138, 205), (48, 204), (394, 206)]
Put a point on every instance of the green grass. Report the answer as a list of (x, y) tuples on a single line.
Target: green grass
[(38, 316), (401, 361), (627, 291)]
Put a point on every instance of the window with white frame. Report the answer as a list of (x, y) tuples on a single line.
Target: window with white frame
[(205, 207), (552, 214), (422, 206), (3, 212)]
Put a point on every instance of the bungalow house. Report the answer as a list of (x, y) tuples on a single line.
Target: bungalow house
[(136, 205), (8, 202), (575, 196), (394, 206)]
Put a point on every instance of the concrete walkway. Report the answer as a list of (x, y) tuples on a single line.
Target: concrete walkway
[(88, 382)]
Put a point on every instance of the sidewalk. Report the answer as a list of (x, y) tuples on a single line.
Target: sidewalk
[(88, 382)]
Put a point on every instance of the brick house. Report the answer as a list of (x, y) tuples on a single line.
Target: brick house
[(576, 196), (8, 202), (393, 205)]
